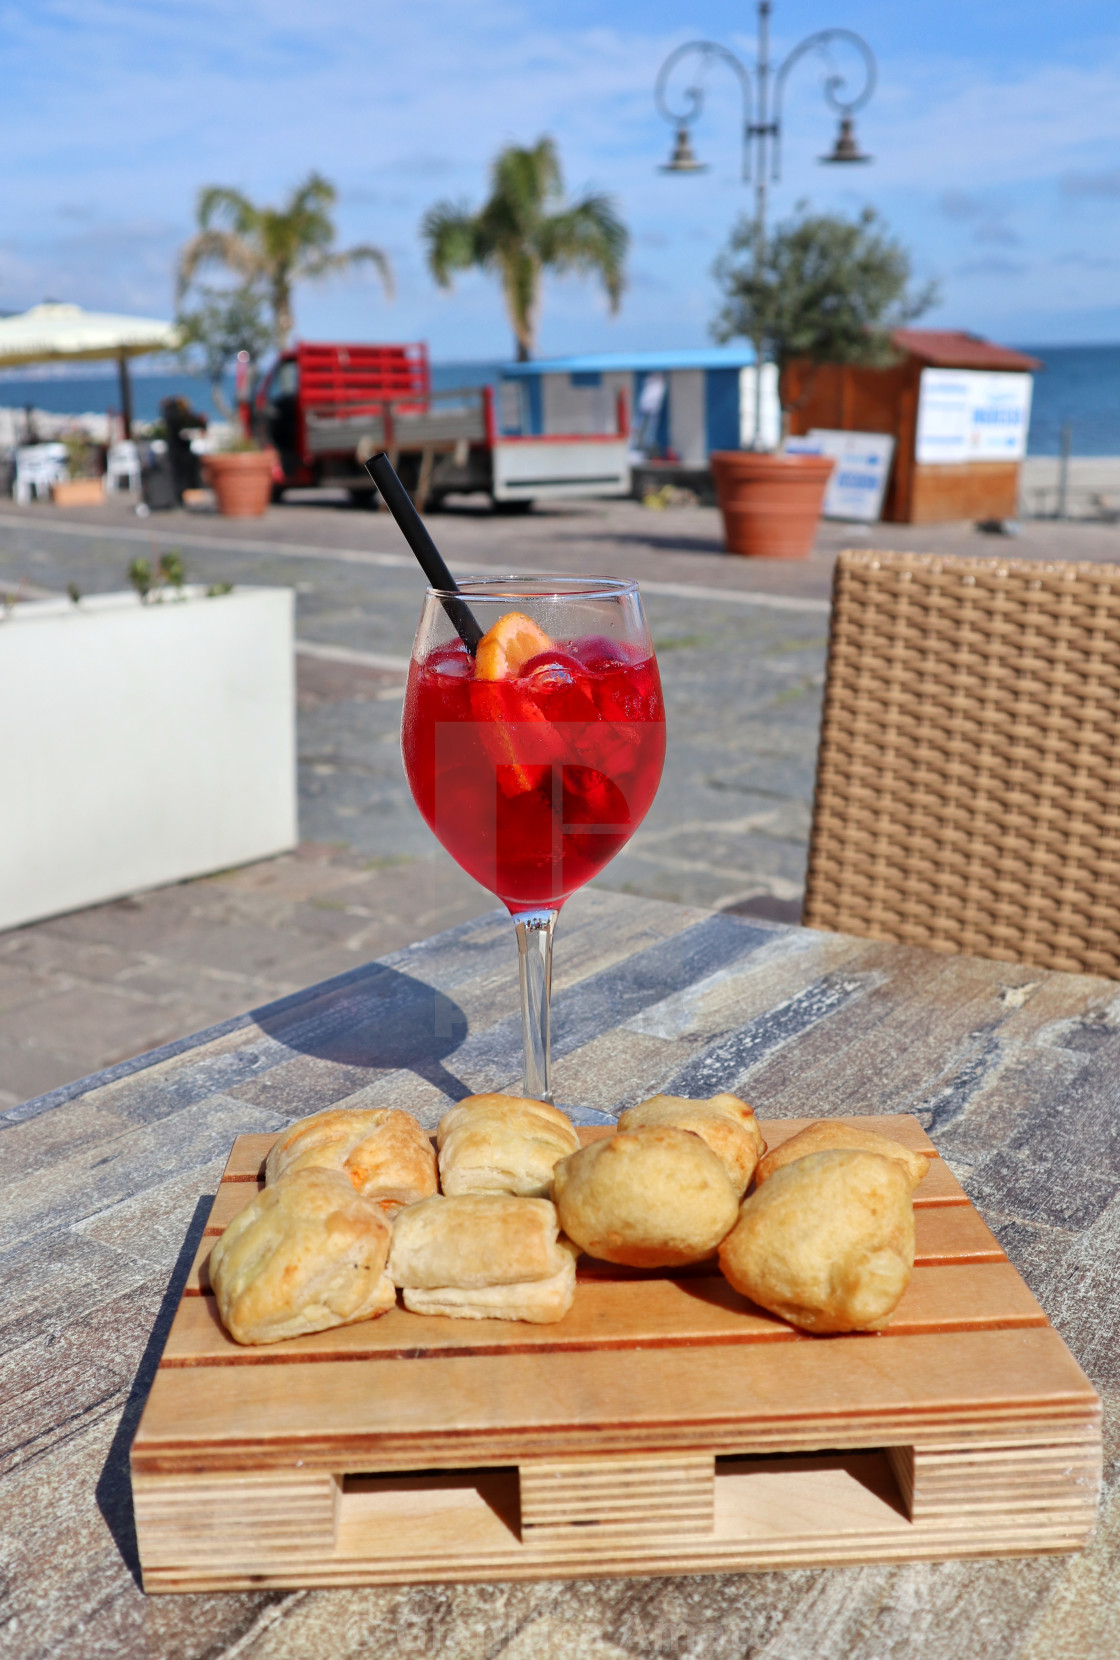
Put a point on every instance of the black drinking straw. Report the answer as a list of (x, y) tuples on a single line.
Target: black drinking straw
[(415, 533)]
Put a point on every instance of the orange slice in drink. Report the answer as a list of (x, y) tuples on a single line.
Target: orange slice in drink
[(508, 646), (502, 652)]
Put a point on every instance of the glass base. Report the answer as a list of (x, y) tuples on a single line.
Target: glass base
[(587, 1116)]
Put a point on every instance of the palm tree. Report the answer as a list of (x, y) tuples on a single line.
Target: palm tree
[(524, 228), (273, 248)]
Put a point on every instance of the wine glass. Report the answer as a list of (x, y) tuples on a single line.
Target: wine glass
[(533, 738)]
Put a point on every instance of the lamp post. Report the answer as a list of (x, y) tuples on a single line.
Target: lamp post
[(762, 119)]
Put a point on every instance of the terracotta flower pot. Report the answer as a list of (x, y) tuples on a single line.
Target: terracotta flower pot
[(771, 504), (79, 492), (242, 482)]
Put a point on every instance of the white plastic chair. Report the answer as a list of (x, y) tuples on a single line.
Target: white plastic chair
[(38, 466), (122, 470)]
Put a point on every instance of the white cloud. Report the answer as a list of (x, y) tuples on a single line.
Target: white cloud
[(119, 110)]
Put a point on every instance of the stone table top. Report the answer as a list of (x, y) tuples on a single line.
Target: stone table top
[(1013, 1071)]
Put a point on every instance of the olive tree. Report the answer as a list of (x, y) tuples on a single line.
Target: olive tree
[(819, 287), (222, 323)]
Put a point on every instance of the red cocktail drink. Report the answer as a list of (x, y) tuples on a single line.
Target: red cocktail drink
[(534, 778), (533, 739)]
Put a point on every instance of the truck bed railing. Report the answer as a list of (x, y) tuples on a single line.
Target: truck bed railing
[(451, 417)]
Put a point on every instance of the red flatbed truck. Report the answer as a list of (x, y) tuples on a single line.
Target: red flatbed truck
[(327, 408)]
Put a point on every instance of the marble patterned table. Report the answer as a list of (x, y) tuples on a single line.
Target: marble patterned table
[(1014, 1073)]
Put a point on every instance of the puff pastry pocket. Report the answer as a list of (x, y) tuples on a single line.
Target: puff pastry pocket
[(827, 1242), (829, 1134), (384, 1152), (650, 1198), (484, 1256), (727, 1124), (502, 1144), (306, 1254)]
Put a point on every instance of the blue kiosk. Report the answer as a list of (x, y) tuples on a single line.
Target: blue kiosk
[(681, 405)]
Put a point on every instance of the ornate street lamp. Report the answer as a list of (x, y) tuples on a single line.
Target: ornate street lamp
[(762, 116)]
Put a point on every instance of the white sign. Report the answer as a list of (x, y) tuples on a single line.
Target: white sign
[(859, 479), (972, 415)]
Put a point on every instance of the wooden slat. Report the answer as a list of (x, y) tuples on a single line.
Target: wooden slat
[(454, 1411), (612, 1314), (953, 1234), (246, 1158), (230, 1198), (944, 1235)]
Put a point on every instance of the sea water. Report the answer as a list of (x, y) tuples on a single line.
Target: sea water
[(1078, 385), (96, 393)]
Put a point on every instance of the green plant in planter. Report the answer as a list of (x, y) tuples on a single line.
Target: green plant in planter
[(238, 444), (169, 573), (140, 576), (223, 323), (81, 457), (171, 568), (821, 287)]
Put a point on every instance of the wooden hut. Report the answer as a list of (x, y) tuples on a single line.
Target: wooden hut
[(958, 408)]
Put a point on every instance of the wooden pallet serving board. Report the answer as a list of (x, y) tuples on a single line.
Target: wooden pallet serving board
[(664, 1426)]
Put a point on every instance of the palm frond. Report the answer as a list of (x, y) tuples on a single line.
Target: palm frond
[(450, 232), (220, 201), (345, 259), (524, 178), (315, 195), (588, 237), (214, 247)]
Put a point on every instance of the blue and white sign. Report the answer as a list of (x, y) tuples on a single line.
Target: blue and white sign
[(972, 415), (859, 479)]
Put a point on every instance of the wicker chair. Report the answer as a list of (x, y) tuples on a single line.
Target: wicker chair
[(968, 780)]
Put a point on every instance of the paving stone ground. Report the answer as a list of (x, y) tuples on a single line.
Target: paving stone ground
[(741, 646)]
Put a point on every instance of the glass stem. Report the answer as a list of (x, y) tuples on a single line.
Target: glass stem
[(534, 949)]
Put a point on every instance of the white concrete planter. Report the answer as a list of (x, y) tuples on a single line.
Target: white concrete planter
[(142, 743)]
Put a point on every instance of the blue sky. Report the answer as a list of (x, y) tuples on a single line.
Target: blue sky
[(995, 131)]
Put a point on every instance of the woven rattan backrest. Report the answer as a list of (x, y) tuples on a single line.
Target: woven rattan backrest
[(968, 780)]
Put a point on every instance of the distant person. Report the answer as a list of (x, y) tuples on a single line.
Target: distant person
[(650, 400), (179, 419)]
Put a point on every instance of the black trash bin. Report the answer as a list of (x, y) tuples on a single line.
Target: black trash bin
[(157, 483)]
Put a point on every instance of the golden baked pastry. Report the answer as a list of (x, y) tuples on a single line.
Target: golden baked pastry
[(829, 1133), (727, 1124), (305, 1254), (385, 1153), (652, 1198), (483, 1256), (540, 1302), (502, 1144), (827, 1243)]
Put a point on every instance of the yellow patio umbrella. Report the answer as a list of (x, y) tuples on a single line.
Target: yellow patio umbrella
[(66, 332)]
